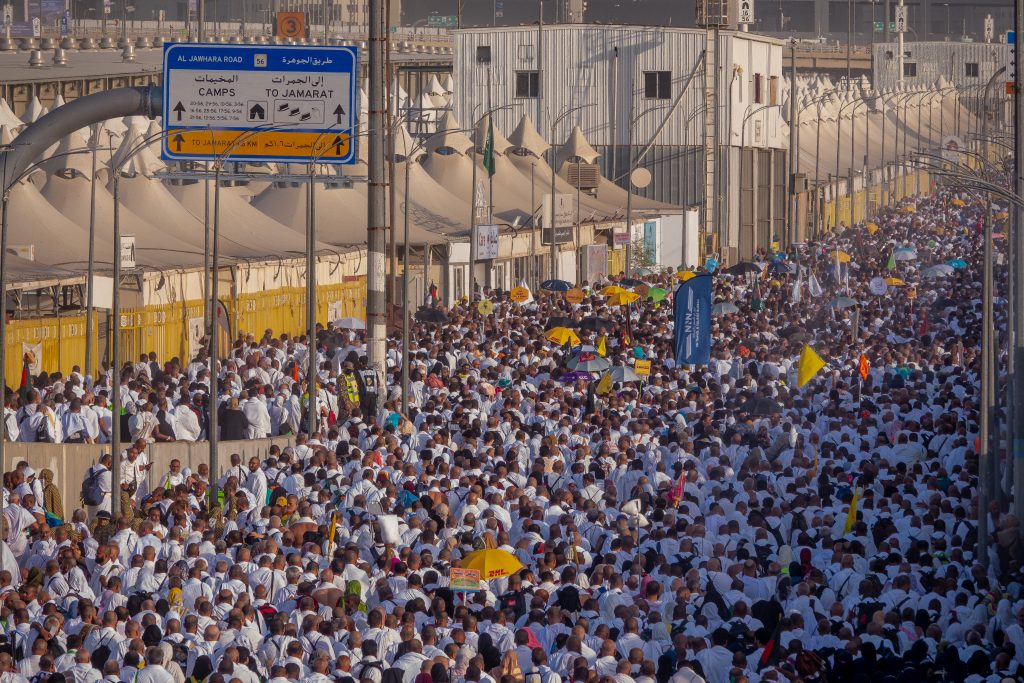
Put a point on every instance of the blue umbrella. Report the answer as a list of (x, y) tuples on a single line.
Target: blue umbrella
[(555, 286), (957, 263), (780, 268)]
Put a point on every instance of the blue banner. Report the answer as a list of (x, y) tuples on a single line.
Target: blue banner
[(693, 321)]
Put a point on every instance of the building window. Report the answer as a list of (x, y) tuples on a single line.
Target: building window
[(773, 90), (910, 69), (658, 85), (971, 69), (527, 84), (758, 89)]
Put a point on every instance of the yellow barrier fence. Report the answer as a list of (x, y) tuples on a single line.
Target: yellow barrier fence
[(846, 210), (58, 342), (163, 329), (616, 261)]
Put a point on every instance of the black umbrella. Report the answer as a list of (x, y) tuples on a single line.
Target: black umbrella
[(761, 406), (742, 268), (595, 324), (631, 282), (556, 286), (431, 315), (560, 321), (781, 268)]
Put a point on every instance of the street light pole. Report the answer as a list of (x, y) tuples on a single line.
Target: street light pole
[(793, 146), (743, 145), (406, 309), (629, 183), (5, 200), (94, 143), (115, 355), (554, 127), (986, 483)]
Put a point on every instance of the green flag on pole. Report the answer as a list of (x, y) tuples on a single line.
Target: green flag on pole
[(489, 148)]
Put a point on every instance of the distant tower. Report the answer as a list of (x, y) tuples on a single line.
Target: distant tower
[(573, 11)]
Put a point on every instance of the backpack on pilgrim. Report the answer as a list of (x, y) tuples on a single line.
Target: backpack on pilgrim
[(864, 613), (740, 638), (92, 494), (392, 675)]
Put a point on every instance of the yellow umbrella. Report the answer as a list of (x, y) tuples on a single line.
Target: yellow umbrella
[(958, 202), (895, 282), (842, 256), (872, 227), (561, 335), (909, 208), (492, 563), (685, 275), (612, 289), (623, 298)]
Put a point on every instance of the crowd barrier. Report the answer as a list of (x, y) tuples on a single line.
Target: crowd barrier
[(849, 210), (70, 462), (164, 329)]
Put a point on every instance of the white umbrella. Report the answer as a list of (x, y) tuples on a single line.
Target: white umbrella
[(350, 324), (938, 270)]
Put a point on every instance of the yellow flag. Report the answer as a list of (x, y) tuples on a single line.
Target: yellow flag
[(602, 349), (851, 516), (810, 363), (333, 528), (605, 385)]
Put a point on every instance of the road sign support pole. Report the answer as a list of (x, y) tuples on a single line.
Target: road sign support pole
[(377, 228), (212, 436), (1017, 314), (311, 370)]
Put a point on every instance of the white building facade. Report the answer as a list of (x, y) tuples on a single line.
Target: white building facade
[(610, 79)]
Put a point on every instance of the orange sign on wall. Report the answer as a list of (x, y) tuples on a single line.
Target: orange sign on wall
[(291, 25)]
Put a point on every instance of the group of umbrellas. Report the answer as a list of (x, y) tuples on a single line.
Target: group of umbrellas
[(625, 292)]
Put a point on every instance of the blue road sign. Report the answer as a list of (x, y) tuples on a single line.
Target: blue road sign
[(260, 103)]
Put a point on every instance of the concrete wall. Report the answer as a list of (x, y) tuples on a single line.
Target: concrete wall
[(70, 462)]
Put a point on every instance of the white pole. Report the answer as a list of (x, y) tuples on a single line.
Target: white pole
[(900, 9)]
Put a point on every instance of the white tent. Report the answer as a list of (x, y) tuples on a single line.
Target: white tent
[(34, 111), (68, 190), (242, 224), (56, 240), (8, 117)]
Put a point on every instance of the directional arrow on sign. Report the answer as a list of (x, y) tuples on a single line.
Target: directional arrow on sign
[(257, 113), (339, 112), (179, 109), (337, 142), (177, 140)]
